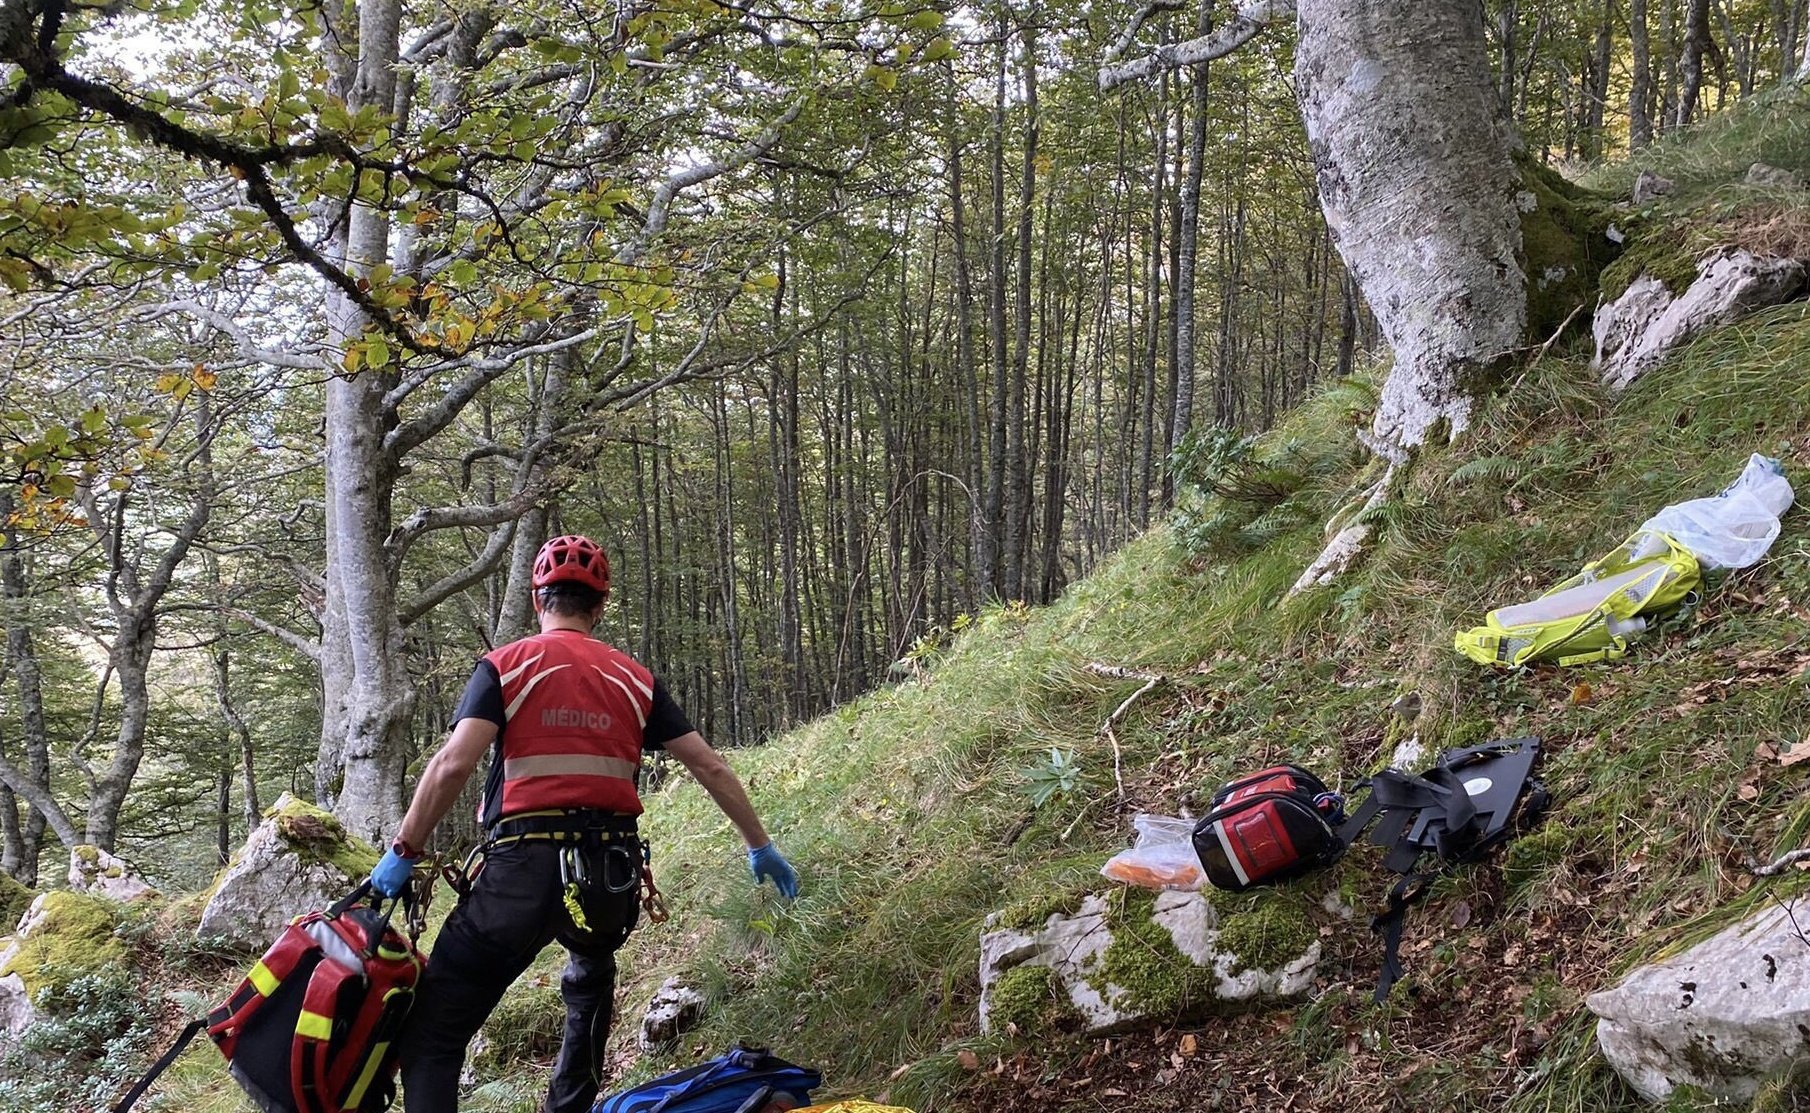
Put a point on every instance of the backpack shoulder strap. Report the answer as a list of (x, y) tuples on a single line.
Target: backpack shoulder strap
[(162, 1064)]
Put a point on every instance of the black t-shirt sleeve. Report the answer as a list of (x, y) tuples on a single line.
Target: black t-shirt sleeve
[(483, 698), (665, 721)]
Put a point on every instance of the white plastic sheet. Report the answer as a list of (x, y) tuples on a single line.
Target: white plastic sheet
[(1163, 857), (1735, 528)]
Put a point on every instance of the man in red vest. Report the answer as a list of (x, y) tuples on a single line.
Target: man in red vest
[(565, 718)]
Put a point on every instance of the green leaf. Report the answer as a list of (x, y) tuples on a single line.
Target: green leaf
[(925, 21), (377, 353)]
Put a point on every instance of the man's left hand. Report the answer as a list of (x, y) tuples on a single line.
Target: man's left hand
[(768, 864)]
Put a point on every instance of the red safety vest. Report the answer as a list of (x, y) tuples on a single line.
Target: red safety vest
[(575, 710)]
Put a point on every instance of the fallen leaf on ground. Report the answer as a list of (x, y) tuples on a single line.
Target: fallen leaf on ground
[(967, 1059), (1190, 1045), (1797, 753), (1748, 791)]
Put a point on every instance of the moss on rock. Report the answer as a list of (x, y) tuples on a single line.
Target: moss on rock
[(1528, 858), (1664, 253), (73, 935), (1144, 962), (15, 898), (318, 836), (1273, 933), (1565, 245), (1033, 1000), (1033, 912)]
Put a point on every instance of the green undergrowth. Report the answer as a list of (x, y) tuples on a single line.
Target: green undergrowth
[(1712, 204), (907, 816)]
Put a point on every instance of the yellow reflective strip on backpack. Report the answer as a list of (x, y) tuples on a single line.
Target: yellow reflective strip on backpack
[(262, 979), (356, 1095), (314, 1026)]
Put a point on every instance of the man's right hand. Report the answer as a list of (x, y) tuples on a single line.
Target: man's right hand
[(392, 873)]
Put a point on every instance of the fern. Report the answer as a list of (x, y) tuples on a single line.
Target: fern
[(1494, 469)]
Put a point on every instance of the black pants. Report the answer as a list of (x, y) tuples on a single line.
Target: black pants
[(514, 910)]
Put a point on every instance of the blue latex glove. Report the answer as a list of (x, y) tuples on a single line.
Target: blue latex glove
[(392, 873), (769, 865)]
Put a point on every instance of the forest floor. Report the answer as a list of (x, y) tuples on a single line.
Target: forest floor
[(908, 816)]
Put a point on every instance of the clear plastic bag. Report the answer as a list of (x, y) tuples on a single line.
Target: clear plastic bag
[(1735, 528), (1162, 858)]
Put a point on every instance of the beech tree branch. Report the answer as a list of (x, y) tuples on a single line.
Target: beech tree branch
[(41, 799), (1123, 42), (428, 519), (1251, 19), (481, 566), (483, 372), (307, 647), (658, 209)]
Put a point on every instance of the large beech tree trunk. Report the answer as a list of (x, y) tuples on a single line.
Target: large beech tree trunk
[(1420, 190), (369, 696)]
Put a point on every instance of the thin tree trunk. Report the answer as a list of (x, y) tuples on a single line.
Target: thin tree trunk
[(996, 319), (22, 666), (1012, 544), (969, 380), (1640, 93), (1690, 63), (1189, 236)]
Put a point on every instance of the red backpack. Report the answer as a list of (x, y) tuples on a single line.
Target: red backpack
[(313, 1027), (1267, 827)]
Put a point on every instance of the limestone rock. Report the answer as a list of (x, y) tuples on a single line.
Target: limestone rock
[(16, 1010), (676, 1007), (1648, 185), (1720, 1016), (1773, 177), (300, 858), (1120, 959), (15, 898), (1636, 331), (94, 871), (63, 936)]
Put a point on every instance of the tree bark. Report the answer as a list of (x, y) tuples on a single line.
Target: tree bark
[(996, 319), (1690, 62), (22, 665), (369, 696), (1640, 91), (1189, 235), (1419, 190), (1017, 503)]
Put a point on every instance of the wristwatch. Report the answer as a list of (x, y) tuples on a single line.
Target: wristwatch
[(404, 850)]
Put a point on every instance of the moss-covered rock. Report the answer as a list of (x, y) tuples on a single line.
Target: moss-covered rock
[(317, 835), (65, 936), (299, 858), (1272, 934), (1032, 1000), (1144, 968), (1565, 244), (1035, 911), (15, 898)]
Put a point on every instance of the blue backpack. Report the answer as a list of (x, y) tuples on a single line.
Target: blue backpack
[(742, 1081)]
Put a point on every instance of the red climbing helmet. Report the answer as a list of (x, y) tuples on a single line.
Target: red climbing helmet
[(572, 559)]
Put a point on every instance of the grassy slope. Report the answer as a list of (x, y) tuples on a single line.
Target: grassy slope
[(906, 815), (905, 812)]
